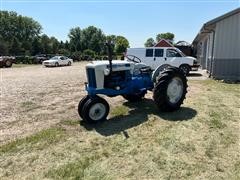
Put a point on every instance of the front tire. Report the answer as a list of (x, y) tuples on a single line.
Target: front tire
[(185, 69), (8, 64), (81, 104), (69, 63), (56, 64), (170, 89), (95, 110)]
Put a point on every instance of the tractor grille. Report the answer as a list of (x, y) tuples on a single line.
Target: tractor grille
[(91, 77)]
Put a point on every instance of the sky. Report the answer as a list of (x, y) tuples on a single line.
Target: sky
[(137, 20)]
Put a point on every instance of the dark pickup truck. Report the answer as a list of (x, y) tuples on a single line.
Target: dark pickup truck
[(7, 61)]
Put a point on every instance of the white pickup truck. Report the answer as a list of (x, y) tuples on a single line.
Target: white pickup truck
[(162, 56)]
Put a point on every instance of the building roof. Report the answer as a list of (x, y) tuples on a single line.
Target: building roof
[(208, 26), (163, 43)]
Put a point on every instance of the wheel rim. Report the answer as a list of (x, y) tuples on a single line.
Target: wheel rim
[(8, 63), (97, 111), (185, 69), (175, 90)]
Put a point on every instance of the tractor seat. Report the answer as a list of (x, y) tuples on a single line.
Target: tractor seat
[(146, 69), (140, 68)]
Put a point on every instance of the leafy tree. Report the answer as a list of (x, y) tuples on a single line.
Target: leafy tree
[(64, 52), (3, 48), (16, 47), (45, 41), (61, 45), (121, 44), (168, 36), (75, 36), (37, 46), (112, 40), (19, 29), (150, 42), (67, 45), (54, 45), (89, 52), (93, 39)]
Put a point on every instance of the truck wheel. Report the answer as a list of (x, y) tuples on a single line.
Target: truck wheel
[(69, 63), (81, 104), (56, 64), (185, 68), (134, 97), (170, 89), (8, 63), (95, 110)]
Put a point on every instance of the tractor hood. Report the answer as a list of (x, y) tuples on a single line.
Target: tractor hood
[(117, 65)]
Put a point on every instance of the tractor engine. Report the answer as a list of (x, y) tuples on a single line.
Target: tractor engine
[(117, 80), (98, 74)]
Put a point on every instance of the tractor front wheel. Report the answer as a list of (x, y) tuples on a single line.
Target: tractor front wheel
[(95, 109), (170, 89), (81, 104)]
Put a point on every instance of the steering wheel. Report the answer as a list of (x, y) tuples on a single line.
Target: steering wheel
[(133, 58)]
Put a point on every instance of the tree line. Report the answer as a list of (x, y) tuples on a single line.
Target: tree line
[(21, 35)]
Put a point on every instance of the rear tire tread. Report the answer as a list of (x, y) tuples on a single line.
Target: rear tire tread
[(160, 89)]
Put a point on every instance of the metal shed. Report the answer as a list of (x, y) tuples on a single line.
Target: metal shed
[(218, 46)]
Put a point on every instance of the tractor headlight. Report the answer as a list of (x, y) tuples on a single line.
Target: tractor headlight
[(106, 72)]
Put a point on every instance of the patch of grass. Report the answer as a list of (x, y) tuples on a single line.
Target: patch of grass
[(39, 140), (237, 169), (72, 170), (70, 122), (24, 65), (119, 111), (228, 138), (211, 149), (29, 105), (215, 120)]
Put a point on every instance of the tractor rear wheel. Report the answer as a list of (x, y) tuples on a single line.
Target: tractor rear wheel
[(95, 110), (170, 89), (81, 104), (134, 97)]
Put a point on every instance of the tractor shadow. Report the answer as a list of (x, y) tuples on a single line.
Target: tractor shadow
[(138, 113), (194, 74)]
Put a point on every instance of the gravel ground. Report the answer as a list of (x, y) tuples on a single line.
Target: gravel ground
[(34, 98)]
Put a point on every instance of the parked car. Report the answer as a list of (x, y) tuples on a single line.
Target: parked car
[(162, 56), (7, 61), (58, 61), (38, 59)]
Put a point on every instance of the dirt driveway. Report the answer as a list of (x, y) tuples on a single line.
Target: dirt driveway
[(34, 98)]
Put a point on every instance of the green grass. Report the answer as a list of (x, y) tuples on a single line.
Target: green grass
[(199, 141), (39, 140), (119, 111), (70, 122), (29, 106), (24, 65)]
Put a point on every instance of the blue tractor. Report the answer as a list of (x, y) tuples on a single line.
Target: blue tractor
[(130, 79)]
